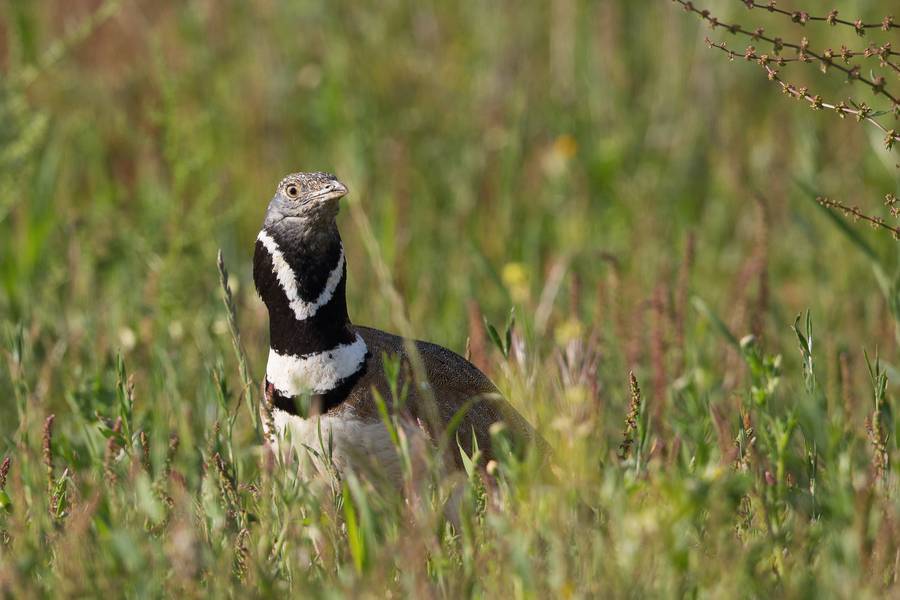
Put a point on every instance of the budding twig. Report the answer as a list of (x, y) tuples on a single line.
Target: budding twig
[(802, 17), (862, 112), (856, 214), (840, 60), (803, 51)]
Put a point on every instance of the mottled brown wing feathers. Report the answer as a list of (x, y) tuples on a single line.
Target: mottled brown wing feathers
[(456, 385)]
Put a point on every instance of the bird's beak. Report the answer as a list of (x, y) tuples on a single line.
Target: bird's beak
[(335, 190)]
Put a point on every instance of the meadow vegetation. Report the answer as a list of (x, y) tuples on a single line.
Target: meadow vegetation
[(613, 220)]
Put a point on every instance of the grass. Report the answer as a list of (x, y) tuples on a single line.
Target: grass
[(640, 204)]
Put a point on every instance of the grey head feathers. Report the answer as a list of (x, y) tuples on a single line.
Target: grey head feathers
[(305, 205)]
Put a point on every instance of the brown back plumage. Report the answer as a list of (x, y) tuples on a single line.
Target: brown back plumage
[(455, 385)]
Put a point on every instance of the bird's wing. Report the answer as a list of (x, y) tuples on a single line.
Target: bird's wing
[(462, 401)]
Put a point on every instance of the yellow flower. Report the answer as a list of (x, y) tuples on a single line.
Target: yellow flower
[(567, 331), (556, 158), (566, 146), (515, 278)]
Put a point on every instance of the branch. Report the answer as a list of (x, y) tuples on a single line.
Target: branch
[(861, 111), (803, 51), (802, 17), (856, 214)]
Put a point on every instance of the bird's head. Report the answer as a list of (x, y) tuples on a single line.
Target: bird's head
[(305, 201)]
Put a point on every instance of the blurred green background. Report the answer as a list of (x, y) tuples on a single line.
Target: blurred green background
[(487, 144), (592, 165)]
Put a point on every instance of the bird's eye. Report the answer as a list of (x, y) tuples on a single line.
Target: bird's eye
[(292, 191)]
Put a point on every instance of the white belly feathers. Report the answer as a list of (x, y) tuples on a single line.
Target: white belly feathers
[(350, 441)]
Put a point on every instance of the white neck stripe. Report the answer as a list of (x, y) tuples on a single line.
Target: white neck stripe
[(288, 280), (315, 373)]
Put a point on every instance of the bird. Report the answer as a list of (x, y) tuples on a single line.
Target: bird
[(325, 376)]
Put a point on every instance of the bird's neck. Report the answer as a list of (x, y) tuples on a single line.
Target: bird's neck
[(313, 348), (302, 281)]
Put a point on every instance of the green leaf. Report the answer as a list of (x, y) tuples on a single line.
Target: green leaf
[(495, 337), (381, 405), (354, 534), (510, 325), (469, 463)]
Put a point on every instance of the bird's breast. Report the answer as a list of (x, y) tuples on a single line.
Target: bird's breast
[(347, 441)]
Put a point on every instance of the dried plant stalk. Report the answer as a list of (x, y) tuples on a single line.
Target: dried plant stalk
[(634, 410), (4, 472), (828, 60)]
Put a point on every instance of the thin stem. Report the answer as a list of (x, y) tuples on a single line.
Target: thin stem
[(855, 213), (246, 378), (802, 17), (861, 112), (803, 51)]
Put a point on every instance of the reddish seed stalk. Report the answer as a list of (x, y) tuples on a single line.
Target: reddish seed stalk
[(878, 440), (845, 54), (145, 452), (241, 554), (862, 112), (170, 457), (227, 489), (743, 463), (827, 59), (658, 352), (634, 409), (47, 450), (681, 298), (47, 455), (4, 472), (112, 448), (575, 296), (802, 17), (761, 256), (846, 385), (855, 213), (803, 50), (477, 349)]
